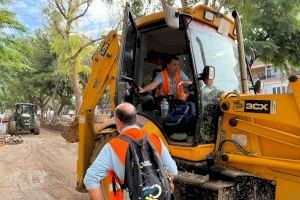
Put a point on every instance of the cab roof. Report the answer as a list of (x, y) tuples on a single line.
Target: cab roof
[(198, 13)]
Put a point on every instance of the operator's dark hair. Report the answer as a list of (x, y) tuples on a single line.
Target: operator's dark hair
[(127, 118), (170, 58)]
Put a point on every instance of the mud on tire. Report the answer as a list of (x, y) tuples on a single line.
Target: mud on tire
[(36, 128), (103, 139), (11, 128)]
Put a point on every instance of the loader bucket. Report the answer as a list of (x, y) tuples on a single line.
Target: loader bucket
[(71, 134)]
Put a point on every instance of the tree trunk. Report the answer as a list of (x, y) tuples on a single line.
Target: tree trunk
[(213, 4), (222, 3), (164, 4), (42, 112), (183, 3), (53, 99), (287, 70), (60, 109), (76, 87)]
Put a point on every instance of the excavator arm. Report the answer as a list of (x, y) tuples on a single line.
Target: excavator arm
[(103, 76)]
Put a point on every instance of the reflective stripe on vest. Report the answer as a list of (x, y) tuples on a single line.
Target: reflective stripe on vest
[(114, 193), (120, 148), (166, 88)]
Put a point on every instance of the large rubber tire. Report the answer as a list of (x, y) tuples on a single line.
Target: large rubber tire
[(102, 140), (11, 128), (36, 128)]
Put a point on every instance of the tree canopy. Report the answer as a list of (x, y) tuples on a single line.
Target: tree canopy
[(271, 30)]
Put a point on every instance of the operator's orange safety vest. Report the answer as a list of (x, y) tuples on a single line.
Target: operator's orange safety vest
[(120, 148), (166, 88)]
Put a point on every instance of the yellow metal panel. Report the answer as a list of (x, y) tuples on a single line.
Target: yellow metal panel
[(295, 87), (198, 14), (286, 164), (103, 74), (287, 189), (273, 138), (150, 19), (197, 153), (153, 129)]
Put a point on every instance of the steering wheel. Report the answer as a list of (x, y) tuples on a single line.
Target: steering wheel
[(192, 87)]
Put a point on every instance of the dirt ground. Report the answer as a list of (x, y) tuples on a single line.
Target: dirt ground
[(43, 167)]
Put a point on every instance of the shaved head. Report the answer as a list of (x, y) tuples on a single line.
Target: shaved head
[(126, 113)]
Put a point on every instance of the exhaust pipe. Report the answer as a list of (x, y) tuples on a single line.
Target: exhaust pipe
[(241, 50)]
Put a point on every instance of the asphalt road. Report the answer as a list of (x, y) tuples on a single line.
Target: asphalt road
[(43, 167)]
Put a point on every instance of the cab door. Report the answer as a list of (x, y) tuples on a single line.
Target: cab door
[(127, 53)]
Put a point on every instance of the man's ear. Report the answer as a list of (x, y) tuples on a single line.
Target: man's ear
[(118, 123)]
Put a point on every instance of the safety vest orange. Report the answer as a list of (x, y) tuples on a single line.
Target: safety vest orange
[(115, 191), (166, 88), (120, 148)]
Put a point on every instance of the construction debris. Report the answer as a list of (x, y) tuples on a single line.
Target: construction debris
[(2, 142), (10, 140)]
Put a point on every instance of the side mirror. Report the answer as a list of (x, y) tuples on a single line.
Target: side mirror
[(257, 86), (172, 17), (208, 73)]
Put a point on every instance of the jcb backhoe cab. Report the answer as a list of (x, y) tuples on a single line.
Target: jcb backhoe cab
[(235, 145), (197, 45), (23, 120)]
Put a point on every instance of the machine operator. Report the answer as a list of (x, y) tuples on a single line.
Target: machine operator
[(170, 81)]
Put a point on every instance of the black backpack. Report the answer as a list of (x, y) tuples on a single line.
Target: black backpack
[(145, 178)]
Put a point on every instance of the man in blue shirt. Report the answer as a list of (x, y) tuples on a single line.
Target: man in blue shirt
[(109, 158)]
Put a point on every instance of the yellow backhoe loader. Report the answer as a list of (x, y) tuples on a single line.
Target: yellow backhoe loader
[(240, 145)]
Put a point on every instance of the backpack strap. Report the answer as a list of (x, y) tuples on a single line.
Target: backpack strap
[(129, 139), (114, 184), (125, 138)]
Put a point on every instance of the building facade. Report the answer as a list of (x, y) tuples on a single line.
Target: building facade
[(273, 81)]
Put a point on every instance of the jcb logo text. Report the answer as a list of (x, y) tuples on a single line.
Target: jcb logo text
[(256, 106)]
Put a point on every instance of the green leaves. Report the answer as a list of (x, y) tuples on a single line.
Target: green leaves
[(29, 72), (272, 28), (9, 25), (12, 47), (66, 48)]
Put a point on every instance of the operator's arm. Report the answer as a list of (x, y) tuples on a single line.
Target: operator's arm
[(150, 87), (185, 80), (157, 81), (96, 172)]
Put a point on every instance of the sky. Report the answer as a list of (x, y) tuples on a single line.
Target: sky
[(97, 19)]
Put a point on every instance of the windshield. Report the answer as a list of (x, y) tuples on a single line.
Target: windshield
[(211, 48), (24, 109)]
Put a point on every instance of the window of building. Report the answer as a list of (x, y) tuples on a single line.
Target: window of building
[(261, 75), (283, 90), (278, 90), (269, 72), (274, 90), (288, 89)]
